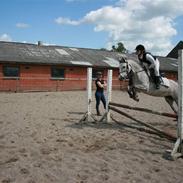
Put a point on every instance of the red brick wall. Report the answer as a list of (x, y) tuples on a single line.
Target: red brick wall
[(116, 83), (172, 75), (38, 78), (7, 84)]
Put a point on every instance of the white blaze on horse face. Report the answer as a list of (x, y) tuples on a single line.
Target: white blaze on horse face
[(123, 71)]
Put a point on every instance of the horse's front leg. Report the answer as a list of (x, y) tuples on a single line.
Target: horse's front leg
[(130, 93), (133, 93)]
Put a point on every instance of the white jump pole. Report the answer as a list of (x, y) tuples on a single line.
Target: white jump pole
[(106, 117), (180, 101), (109, 89), (89, 88), (178, 148), (88, 117)]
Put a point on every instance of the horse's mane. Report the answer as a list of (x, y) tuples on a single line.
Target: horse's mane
[(135, 64)]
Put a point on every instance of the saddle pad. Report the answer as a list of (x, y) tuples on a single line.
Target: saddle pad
[(165, 82)]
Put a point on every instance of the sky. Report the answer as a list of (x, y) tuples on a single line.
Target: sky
[(158, 24)]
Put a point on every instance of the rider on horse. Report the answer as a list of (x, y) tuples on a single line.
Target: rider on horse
[(151, 61)]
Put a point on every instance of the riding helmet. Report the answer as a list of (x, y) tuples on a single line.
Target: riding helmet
[(140, 47)]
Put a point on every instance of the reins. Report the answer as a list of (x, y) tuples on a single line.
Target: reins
[(135, 71)]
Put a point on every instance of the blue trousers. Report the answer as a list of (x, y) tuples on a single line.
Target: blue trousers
[(100, 97)]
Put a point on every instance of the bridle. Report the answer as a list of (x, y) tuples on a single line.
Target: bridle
[(128, 66)]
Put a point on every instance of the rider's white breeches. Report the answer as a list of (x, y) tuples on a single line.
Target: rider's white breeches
[(156, 66)]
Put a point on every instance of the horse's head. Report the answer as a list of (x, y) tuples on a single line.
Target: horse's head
[(124, 68)]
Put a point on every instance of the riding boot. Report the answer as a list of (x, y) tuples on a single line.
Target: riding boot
[(157, 82)]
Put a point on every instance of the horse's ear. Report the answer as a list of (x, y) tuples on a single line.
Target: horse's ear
[(122, 60)]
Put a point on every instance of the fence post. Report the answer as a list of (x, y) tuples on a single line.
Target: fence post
[(88, 117), (178, 148), (89, 88), (109, 88), (107, 116)]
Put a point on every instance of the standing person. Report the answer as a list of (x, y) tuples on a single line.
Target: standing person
[(99, 94), (152, 61)]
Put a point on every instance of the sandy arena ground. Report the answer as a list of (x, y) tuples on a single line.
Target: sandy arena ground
[(41, 142)]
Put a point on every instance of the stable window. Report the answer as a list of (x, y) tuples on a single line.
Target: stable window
[(11, 71), (57, 73)]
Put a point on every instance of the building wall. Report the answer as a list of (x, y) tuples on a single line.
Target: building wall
[(171, 75), (38, 78)]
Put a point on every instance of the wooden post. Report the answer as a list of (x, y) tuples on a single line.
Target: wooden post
[(178, 148), (158, 131), (143, 110), (88, 117), (106, 117), (180, 101), (89, 88), (109, 89)]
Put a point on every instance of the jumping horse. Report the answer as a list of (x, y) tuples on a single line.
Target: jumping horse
[(142, 82)]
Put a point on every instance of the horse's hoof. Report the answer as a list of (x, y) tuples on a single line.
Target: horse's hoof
[(136, 99)]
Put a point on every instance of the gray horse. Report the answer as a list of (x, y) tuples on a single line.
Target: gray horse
[(141, 81)]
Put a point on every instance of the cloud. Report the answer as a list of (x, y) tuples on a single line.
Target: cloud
[(135, 21), (5, 37), (22, 25), (62, 20)]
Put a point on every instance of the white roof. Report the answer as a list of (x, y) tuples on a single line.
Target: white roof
[(61, 51), (112, 62), (81, 63)]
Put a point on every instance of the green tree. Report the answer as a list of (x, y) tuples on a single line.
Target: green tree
[(120, 48)]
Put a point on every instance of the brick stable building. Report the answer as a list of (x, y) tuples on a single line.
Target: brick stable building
[(31, 67)]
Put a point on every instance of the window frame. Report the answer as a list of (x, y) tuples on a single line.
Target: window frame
[(5, 76), (55, 77)]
